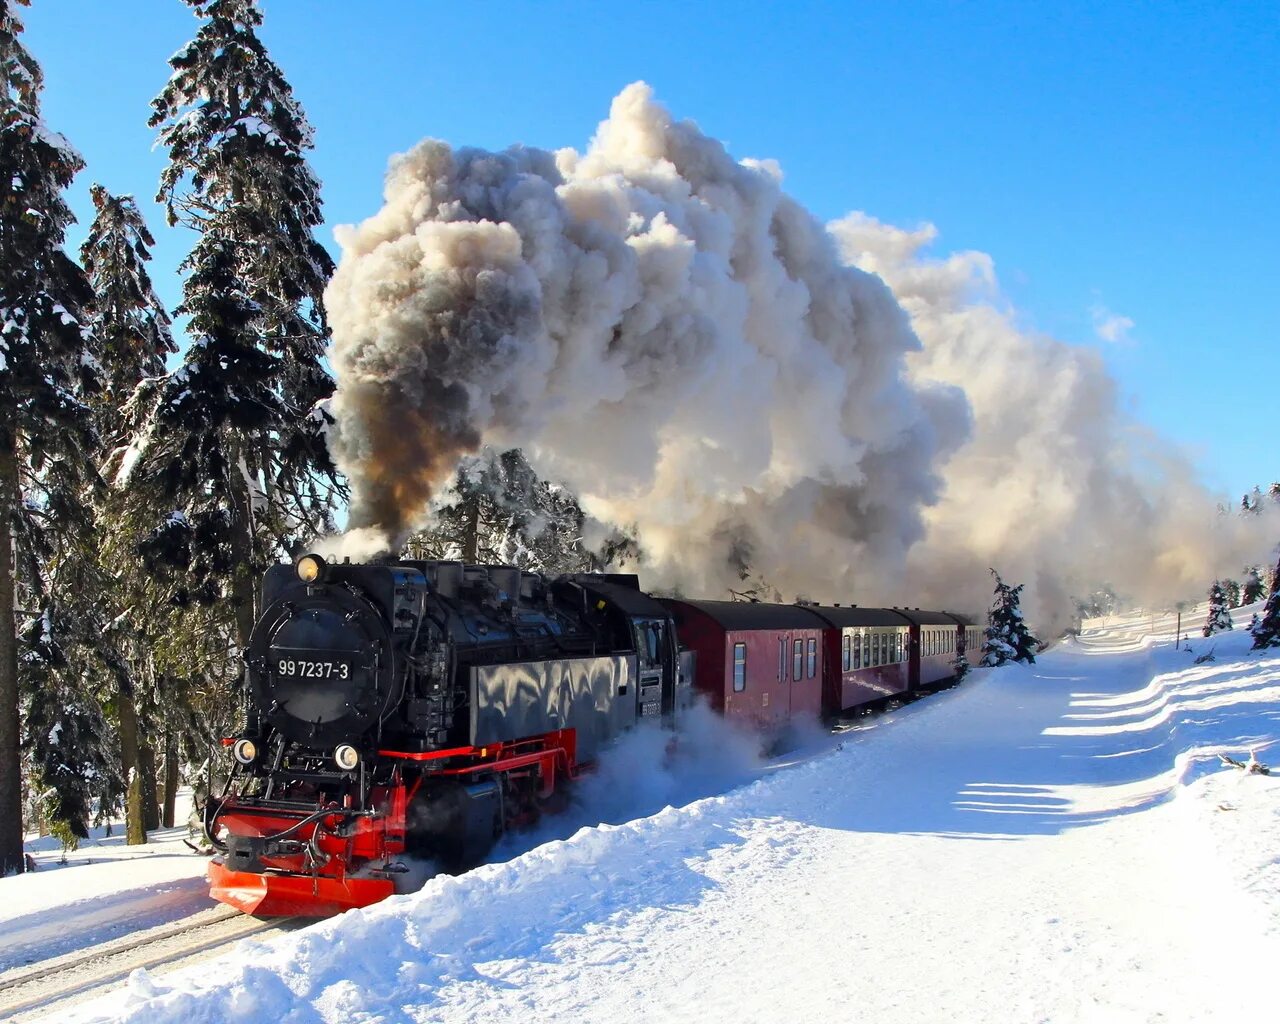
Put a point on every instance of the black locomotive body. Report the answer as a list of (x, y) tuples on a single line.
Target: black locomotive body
[(421, 708)]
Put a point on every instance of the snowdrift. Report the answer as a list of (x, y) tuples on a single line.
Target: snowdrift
[(1004, 851)]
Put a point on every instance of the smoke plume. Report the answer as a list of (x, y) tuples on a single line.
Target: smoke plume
[(661, 328), (658, 326), (1056, 487)]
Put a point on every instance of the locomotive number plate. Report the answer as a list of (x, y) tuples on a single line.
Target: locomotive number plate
[(294, 667)]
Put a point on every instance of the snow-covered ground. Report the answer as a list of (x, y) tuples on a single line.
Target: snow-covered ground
[(1054, 842), (100, 891)]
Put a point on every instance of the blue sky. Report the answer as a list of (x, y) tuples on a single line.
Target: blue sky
[(1109, 156)]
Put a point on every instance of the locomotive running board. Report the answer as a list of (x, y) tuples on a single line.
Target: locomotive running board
[(271, 895)]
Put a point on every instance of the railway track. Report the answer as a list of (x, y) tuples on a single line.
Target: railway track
[(55, 985)]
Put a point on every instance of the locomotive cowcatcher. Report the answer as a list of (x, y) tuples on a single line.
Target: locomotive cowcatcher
[(410, 709)]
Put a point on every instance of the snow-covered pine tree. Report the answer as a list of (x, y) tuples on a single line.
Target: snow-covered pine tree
[(1007, 637), (67, 742), (1253, 589), (134, 338), (1231, 591), (498, 510), (130, 325), (236, 439), (1219, 619), (46, 364), (1266, 627)]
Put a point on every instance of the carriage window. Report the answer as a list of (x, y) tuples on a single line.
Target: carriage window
[(739, 667), (782, 660), (797, 660), (875, 649), (846, 654), (813, 657), (857, 651), (897, 647)]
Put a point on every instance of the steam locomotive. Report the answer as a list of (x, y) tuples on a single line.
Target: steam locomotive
[(416, 709)]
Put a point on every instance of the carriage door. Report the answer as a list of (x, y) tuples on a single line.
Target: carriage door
[(651, 645), (798, 661), (783, 695)]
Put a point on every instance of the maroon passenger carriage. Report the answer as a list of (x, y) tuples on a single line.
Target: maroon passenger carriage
[(759, 664), (937, 640), (866, 654), (763, 664)]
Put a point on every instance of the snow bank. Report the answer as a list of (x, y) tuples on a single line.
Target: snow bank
[(1004, 851), (100, 891)]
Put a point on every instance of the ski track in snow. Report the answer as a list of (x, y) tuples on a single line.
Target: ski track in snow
[(1006, 851)]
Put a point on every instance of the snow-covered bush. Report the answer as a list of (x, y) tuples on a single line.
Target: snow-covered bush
[(1218, 619)]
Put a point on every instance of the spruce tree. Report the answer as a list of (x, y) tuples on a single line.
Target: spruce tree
[(1007, 637), (46, 365), (498, 510), (1219, 619), (1253, 588), (1231, 591), (134, 338), (130, 325), (235, 440), (1266, 627)]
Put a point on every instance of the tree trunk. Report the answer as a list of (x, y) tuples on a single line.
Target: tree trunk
[(244, 588), (471, 532), (170, 777), (11, 859), (135, 829), (150, 798)]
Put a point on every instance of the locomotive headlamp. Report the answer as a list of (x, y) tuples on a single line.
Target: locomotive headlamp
[(310, 568), (245, 751), (346, 757)]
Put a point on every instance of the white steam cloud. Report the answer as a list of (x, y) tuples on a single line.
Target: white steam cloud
[(662, 329), (1056, 487)]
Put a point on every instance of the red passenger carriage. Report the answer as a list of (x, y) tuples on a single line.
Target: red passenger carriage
[(759, 664), (866, 655)]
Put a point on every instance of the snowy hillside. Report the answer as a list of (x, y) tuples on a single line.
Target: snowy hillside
[(1054, 842)]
